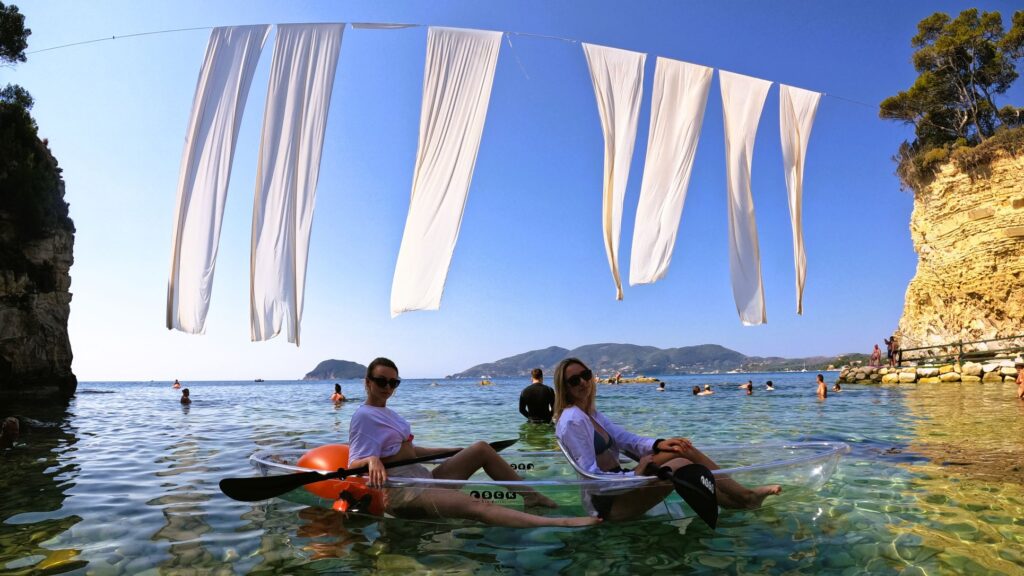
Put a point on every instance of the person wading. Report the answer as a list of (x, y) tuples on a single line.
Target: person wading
[(537, 401)]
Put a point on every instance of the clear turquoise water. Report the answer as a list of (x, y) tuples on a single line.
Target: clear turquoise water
[(126, 483)]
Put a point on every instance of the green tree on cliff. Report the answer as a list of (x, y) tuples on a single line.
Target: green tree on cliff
[(31, 190), (13, 34), (963, 65)]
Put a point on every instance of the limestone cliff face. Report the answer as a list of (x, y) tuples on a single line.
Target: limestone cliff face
[(969, 237), (35, 351)]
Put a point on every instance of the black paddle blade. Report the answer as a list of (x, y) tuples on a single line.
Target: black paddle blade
[(502, 444), (259, 488), (696, 485)]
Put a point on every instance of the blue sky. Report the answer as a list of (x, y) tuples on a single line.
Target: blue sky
[(529, 270)]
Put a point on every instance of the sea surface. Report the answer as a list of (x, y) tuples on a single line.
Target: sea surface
[(124, 481)]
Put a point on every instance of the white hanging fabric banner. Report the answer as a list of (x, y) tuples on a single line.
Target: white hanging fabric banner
[(742, 101), (231, 57), (457, 79), (677, 111), (298, 99), (618, 78), (797, 108)]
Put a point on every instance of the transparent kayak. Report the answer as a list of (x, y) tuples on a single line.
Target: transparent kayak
[(801, 468)]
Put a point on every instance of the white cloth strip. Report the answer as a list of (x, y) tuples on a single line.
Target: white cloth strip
[(618, 78), (677, 112), (797, 108), (298, 100), (231, 57), (742, 101), (457, 79)]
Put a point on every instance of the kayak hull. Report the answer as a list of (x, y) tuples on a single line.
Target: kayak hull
[(801, 468)]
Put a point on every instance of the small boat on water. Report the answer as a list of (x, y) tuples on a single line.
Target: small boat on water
[(801, 468)]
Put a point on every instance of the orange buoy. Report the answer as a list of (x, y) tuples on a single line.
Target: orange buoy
[(328, 458), (348, 493)]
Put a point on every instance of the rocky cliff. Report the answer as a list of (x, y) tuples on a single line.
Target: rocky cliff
[(968, 231), (36, 241)]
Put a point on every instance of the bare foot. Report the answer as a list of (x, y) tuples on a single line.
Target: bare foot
[(538, 499), (757, 495), (578, 521)]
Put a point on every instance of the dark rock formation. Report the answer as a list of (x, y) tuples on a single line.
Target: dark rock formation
[(36, 244), (336, 370)]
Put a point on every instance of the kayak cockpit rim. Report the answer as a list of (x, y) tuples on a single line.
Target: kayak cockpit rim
[(821, 451)]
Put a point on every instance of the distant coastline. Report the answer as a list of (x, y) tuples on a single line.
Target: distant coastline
[(631, 360)]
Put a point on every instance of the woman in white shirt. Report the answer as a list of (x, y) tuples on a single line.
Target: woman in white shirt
[(378, 435), (594, 441)]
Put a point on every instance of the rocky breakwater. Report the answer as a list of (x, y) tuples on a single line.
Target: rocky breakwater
[(36, 243), (993, 371), (968, 231)]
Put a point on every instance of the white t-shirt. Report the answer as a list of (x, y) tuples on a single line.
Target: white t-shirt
[(374, 431)]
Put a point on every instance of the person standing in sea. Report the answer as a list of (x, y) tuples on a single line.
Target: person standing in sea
[(537, 401), (822, 389)]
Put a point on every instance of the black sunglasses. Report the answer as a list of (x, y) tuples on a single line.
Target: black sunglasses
[(383, 382), (576, 379)]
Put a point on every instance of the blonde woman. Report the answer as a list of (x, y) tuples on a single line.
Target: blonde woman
[(594, 442)]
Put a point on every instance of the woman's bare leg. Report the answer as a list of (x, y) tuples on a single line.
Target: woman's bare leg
[(732, 494), (451, 504), (723, 497), (480, 455), (643, 499)]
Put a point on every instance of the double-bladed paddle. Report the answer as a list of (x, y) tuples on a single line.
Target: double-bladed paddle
[(258, 488)]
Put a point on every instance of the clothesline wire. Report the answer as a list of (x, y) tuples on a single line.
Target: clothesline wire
[(507, 38), (119, 38)]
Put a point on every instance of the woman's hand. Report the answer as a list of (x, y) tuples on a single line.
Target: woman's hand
[(645, 461), (378, 474), (677, 445)]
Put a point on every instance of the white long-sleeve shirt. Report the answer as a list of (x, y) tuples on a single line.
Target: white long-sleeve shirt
[(575, 430)]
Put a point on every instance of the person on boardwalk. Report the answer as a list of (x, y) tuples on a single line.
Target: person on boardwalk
[(537, 401), (892, 347), (379, 435), (338, 397), (822, 389), (1018, 363), (594, 442), (185, 397), (876, 356)]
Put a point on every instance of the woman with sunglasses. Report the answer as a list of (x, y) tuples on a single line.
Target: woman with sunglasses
[(378, 435), (594, 441)]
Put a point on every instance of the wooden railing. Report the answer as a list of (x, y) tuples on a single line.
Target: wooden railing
[(961, 351)]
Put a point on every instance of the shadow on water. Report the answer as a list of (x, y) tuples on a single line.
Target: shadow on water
[(35, 476)]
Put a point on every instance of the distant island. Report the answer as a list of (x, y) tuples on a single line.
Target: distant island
[(631, 360), (336, 370)]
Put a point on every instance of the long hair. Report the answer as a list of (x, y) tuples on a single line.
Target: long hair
[(562, 389)]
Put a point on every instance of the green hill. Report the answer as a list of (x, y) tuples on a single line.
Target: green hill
[(631, 359)]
